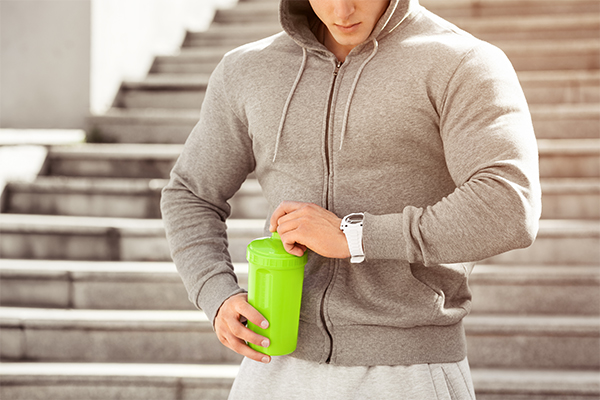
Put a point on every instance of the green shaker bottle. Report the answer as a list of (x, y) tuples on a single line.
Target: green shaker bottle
[(275, 289)]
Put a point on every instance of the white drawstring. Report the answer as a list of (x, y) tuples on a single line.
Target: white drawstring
[(347, 111), (288, 100)]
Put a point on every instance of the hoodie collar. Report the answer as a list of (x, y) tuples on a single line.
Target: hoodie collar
[(299, 21)]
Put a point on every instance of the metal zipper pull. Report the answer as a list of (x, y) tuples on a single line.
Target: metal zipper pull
[(337, 68)]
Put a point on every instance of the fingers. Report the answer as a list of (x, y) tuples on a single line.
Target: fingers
[(293, 247), (297, 212), (286, 211), (240, 347), (287, 219), (245, 309), (307, 225), (291, 236), (237, 337), (234, 335), (284, 208)]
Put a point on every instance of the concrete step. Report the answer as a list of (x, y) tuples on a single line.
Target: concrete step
[(96, 285), (267, 11), (82, 238), (569, 158), (102, 381), (497, 289), (110, 336), (126, 239), (147, 126), (527, 384), (163, 91), (533, 341), (528, 27), (103, 239), (515, 27), (571, 242), (152, 161), (186, 91), (544, 55), (566, 121), (562, 198), (202, 61), (536, 289), (492, 341), (243, 12), (78, 196), (95, 381), (570, 198), (477, 8), (187, 336), (40, 137), (231, 34), (561, 87), (114, 197)]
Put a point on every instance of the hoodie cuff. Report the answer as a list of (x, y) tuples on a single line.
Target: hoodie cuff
[(383, 238), (214, 292)]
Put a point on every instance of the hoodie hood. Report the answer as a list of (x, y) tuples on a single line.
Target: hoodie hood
[(299, 21)]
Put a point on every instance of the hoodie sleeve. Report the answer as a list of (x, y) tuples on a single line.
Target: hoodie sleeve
[(215, 161), (491, 154)]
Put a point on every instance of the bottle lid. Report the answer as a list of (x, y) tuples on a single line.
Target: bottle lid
[(269, 252)]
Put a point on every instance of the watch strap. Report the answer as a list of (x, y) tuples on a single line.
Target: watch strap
[(352, 226)]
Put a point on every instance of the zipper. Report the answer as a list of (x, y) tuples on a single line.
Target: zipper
[(328, 360), (338, 65)]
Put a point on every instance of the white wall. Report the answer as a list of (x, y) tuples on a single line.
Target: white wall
[(128, 34), (61, 59), (44, 63)]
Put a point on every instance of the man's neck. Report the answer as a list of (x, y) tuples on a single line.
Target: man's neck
[(328, 41)]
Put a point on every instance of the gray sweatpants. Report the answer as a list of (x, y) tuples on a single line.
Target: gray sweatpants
[(289, 378)]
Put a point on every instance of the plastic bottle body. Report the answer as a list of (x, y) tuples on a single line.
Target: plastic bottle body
[(275, 281), (277, 296)]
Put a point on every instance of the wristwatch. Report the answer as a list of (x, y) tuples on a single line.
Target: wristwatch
[(352, 226)]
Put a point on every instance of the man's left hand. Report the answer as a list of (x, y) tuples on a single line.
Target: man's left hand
[(306, 225)]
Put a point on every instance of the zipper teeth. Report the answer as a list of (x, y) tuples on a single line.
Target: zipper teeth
[(327, 128), (328, 360), (327, 158)]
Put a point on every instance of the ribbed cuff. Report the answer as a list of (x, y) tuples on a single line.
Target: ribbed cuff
[(215, 291), (383, 238)]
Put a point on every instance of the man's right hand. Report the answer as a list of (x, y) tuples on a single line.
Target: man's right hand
[(234, 334)]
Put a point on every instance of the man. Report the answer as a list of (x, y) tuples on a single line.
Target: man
[(414, 133)]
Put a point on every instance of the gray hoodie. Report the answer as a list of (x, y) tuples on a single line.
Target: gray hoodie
[(423, 127)]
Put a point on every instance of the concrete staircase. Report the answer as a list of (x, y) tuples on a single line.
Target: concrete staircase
[(92, 307)]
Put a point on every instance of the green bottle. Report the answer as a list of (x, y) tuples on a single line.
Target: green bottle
[(275, 289)]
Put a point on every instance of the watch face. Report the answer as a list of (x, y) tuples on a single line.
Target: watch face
[(355, 218)]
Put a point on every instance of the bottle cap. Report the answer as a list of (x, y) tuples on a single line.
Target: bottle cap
[(269, 252)]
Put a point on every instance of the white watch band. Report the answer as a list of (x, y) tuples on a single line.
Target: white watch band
[(352, 226)]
